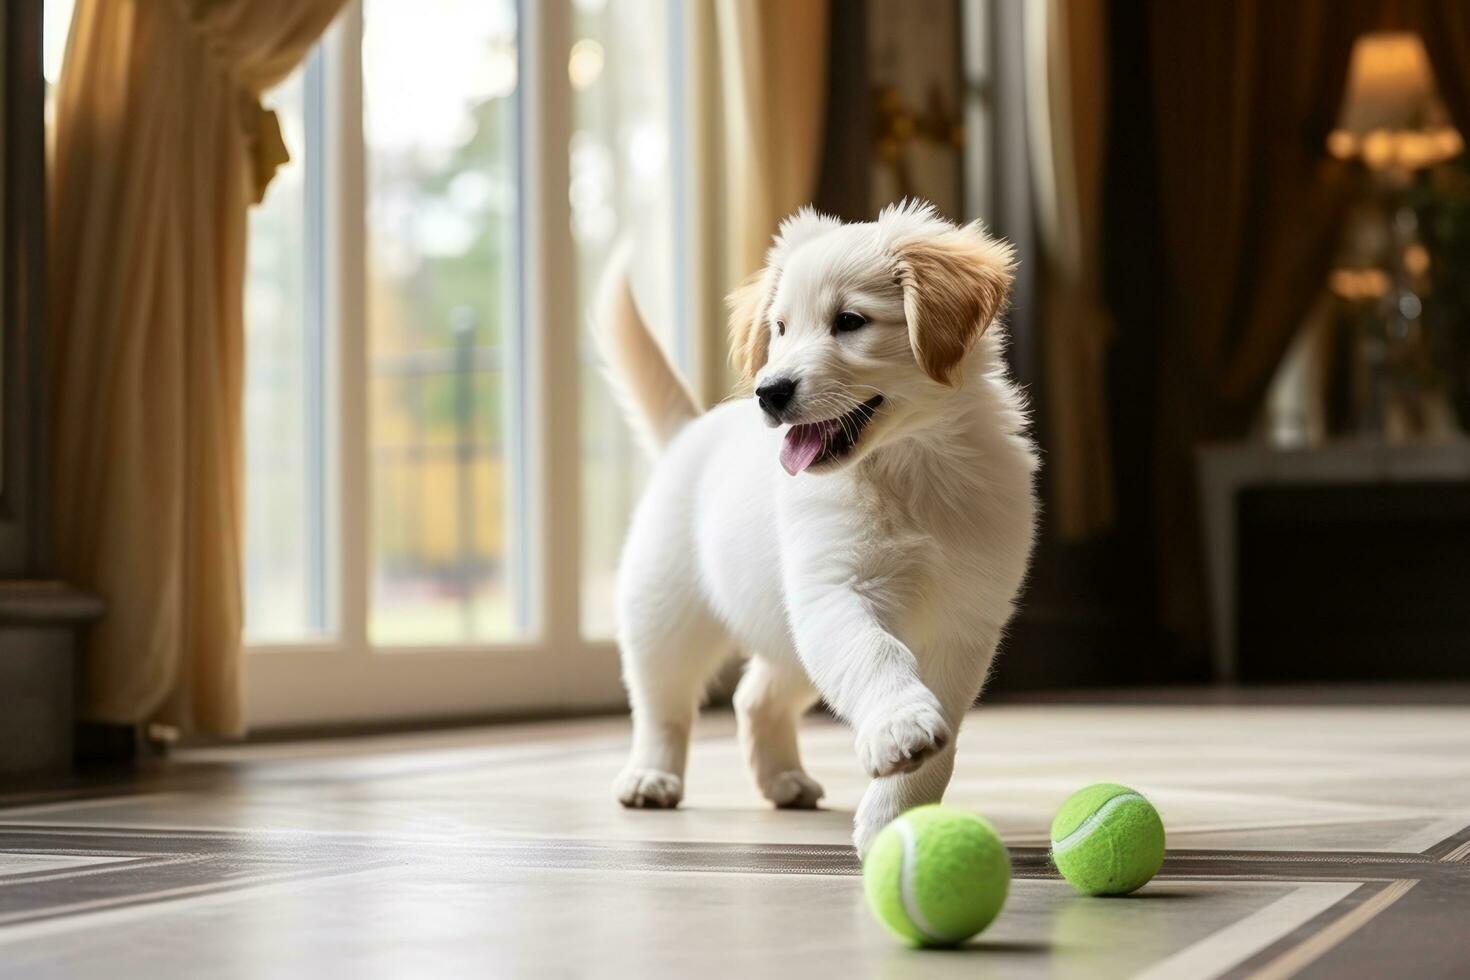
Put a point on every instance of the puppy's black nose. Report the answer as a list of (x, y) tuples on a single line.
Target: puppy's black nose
[(775, 395)]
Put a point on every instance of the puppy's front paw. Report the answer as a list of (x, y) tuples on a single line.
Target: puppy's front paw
[(793, 790), (648, 789), (901, 741)]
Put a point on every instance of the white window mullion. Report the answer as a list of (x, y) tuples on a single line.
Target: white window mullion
[(549, 323), (320, 411), (345, 269)]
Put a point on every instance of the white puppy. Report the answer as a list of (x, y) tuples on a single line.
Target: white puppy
[(866, 545)]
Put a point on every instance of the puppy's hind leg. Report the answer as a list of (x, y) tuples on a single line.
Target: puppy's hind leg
[(670, 649), (768, 703)]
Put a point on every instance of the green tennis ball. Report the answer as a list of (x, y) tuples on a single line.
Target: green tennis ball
[(1107, 840), (937, 875)]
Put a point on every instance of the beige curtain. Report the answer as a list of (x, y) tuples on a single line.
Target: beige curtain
[(773, 67), (1066, 100), (160, 146)]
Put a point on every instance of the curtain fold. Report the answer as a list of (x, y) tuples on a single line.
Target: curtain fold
[(1066, 75), (1245, 94), (160, 145), (773, 65)]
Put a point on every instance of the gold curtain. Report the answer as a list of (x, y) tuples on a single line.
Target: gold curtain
[(1067, 106), (160, 145), (773, 65)]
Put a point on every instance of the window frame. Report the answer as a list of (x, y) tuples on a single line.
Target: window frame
[(342, 678)]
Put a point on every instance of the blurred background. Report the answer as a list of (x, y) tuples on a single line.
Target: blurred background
[(1242, 316)]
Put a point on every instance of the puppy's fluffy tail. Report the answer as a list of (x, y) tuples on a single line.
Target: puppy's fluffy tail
[(654, 397)]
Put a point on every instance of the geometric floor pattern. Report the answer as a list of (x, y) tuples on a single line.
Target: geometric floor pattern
[(1303, 841)]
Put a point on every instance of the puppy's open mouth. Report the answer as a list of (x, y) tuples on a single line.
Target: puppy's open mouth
[(810, 444)]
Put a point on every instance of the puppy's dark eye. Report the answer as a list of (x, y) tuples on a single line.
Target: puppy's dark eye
[(847, 321), (780, 328)]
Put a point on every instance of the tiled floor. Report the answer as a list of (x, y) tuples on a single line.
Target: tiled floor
[(1314, 841)]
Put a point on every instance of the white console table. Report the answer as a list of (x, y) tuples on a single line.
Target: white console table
[(1225, 469)]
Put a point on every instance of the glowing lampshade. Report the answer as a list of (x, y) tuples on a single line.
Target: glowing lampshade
[(1391, 114)]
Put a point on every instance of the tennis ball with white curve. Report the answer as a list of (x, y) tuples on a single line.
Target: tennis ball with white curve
[(937, 875), (1107, 840)]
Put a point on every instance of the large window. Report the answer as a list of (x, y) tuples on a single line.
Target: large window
[(439, 127), (438, 482), (626, 182), (287, 573)]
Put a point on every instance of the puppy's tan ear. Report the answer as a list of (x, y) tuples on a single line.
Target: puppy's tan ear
[(954, 284), (750, 335)]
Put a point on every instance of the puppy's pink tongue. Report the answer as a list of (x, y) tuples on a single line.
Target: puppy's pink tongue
[(803, 445)]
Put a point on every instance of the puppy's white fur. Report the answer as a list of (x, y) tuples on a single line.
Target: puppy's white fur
[(881, 581)]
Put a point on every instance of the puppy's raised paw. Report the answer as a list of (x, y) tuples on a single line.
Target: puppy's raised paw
[(793, 790), (902, 740), (648, 789)]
